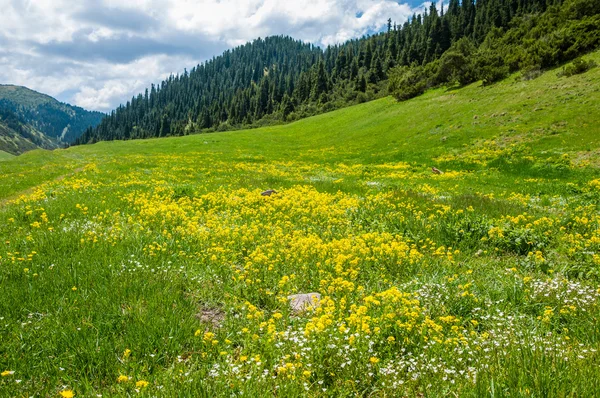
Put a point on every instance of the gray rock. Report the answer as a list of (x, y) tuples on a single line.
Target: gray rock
[(211, 317), (302, 302)]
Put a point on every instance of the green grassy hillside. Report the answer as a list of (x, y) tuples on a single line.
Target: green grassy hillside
[(156, 266), (5, 156), (538, 121)]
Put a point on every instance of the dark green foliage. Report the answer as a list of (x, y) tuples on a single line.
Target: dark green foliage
[(491, 67), (278, 79), (287, 106), (577, 67), (321, 83), (406, 82), (534, 38), (456, 65), (582, 8)]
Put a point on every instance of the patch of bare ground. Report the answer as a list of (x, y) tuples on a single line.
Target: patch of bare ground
[(212, 317)]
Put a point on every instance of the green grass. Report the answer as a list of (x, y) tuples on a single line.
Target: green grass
[(5, 156), (160, 261)]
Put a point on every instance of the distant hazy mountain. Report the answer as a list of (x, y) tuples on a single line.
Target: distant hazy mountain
[(30, 120)]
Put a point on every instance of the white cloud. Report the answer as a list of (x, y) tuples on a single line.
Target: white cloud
[(97, 54), (123, 81)]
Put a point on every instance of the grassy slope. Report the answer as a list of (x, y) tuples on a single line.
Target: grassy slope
[(5, 156), (98, 217), (384, 130), (551, 113)]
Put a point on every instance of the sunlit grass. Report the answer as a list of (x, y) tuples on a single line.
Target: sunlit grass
[(5, 156)]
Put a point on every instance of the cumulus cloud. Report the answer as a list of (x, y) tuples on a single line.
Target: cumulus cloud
[(99, 53)]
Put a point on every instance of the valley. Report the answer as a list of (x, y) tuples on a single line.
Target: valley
[(156, 268)]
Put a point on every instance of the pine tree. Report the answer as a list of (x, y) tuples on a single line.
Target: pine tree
[(287, 107), (320, 84)]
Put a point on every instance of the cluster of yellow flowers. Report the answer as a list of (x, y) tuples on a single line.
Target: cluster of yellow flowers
[(367, 254)]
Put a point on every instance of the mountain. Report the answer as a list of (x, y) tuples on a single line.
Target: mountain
[(241, 86), (279, 79), (30, 120), (16, 136)]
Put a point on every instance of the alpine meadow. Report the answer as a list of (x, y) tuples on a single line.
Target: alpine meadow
[(433, 231)]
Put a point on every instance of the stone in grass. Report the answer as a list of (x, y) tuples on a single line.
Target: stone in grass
[(269, 192), (302, 302), (213, 317)]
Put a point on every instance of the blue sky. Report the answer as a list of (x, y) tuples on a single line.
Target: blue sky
[(99, 53)]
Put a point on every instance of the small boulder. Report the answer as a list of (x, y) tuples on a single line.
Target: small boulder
[(268, 192), (302, 302), (213, 317)]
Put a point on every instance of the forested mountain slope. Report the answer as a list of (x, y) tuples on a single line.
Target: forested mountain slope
[(29, 119), (278, 79), (16, 136)]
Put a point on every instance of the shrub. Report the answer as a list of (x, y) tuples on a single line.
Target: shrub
[(578, 9), (577, 67), (532, 72), (456, 65), (361, 98), (491, 67), (407, 82)]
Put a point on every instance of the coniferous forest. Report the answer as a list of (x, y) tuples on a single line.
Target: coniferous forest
[(279, 79)]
